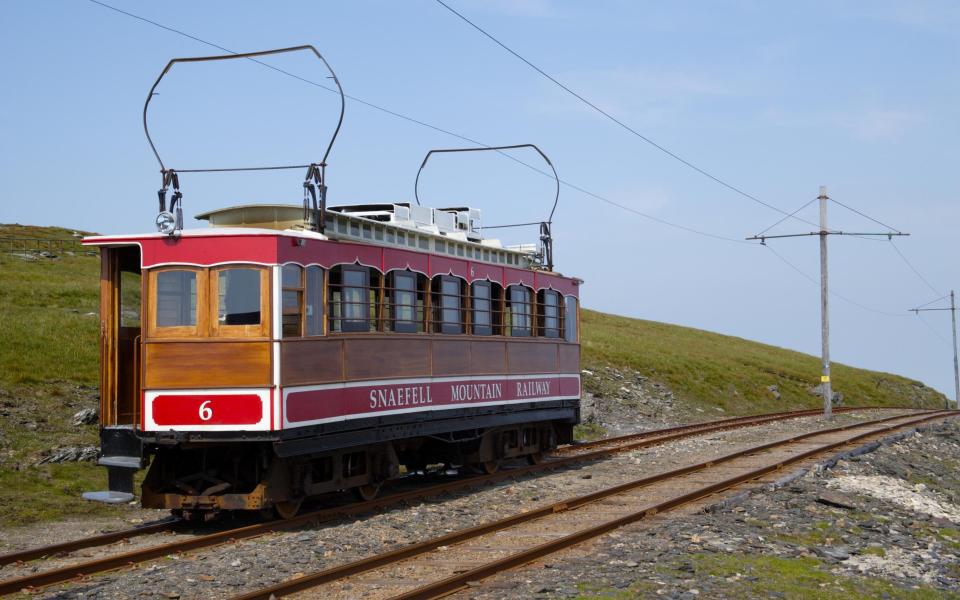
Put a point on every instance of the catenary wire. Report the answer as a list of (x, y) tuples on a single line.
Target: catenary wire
[(478, 143), (832, 293), (933, 329), (623, 125), (914, 269), (866, 216), (944, 297), (427, 125), (787, 217)]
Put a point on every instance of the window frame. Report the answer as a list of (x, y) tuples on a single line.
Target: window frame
[(571, 319), (176, 331), (361, 325), (440, 324), (489, 328), (543, 327), (397, 325), (301, 291), (261, 329), (320, 295), (514, 329)]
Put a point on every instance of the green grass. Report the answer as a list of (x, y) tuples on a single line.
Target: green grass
[(710, 369), (746, 576), (49, 369)]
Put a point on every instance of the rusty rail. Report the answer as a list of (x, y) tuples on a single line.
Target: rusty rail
[(108, 563), (459, 581)]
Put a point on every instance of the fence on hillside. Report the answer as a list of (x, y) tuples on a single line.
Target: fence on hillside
[(13, 244)]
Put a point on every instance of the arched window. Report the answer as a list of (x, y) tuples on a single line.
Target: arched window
[(302, 299), (485, 307), (448, 304), (570, 319), (404, 301), (353, 298), (518, 311), (548, 314)]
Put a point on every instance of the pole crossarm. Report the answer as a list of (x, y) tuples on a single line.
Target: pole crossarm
[(917, 310), (763, 238)]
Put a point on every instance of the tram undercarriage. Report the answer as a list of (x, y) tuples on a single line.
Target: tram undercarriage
[(198, 481)]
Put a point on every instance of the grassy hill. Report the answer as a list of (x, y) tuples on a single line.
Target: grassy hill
[(49, 356)]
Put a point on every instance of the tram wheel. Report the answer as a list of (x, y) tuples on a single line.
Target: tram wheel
[(535, 459), (368, 492), (491, 466), (288, 509)]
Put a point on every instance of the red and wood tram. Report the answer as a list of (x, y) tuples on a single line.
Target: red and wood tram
[(291, 351), (267, 364)]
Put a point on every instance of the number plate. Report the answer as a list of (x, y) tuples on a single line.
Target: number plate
[(225, 409)]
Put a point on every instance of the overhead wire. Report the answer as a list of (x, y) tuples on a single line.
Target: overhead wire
[(567, 184), (831, 292), (914, 269), (933, 329), (427, 125), (620, 123)]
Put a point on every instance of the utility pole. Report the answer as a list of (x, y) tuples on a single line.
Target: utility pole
[(826, 387), (956, 369)]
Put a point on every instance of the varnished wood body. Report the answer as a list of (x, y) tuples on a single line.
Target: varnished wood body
[(207, 364), (341, 358)]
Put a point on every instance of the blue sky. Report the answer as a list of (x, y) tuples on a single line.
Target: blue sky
[(776, 98)]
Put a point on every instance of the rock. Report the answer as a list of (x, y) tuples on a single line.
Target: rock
[(835, 552), (87, 416), (71, 454), (836, 500), (774, 390)]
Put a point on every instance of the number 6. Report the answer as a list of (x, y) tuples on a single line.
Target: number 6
[(205, 411)]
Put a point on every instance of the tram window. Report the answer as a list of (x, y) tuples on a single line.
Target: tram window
[(440, 245), (313, 302), (367, 231), (403, 302), (239, 296), (378, 233), (341, 226), (391, 236), (401, 238), (349, 299), (549, 321), (447, 300), (412, 240), (355, 229), (482, 307), (570, 319), (518, 310), (292, 319), (424, 243), (176, 299)]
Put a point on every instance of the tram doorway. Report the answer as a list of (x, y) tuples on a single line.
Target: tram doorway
[(120, 329)]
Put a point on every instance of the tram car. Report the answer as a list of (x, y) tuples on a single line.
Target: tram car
[(291, 351)]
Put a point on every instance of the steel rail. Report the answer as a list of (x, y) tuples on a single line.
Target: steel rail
[(458, 582), (89, 542), (99, 565), (655, 436)]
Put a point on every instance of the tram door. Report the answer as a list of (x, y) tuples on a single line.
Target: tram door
[(120, 314)]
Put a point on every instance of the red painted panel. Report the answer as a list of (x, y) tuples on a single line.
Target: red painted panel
[(517, 276), (441, 265), (329, 253), (404, 259), (210, 250), (219, 409), (561, 284), (479, 270), (423, 395)]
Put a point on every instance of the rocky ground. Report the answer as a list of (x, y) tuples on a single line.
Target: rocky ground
[(879, 525), (228, 570)]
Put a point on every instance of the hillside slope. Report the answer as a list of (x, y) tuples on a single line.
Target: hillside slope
[(49, 354)]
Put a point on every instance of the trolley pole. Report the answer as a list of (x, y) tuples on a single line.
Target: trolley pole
[(825, 386), (953, 318), (956, 370)]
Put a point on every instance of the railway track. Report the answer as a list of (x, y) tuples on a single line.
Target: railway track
[(566, 456), (450, 562)]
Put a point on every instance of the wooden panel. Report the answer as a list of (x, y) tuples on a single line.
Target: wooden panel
[(310, 361), (569, 358), (488, 357), (451, 357), (173, 365), (381, 357), (532, 357)]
